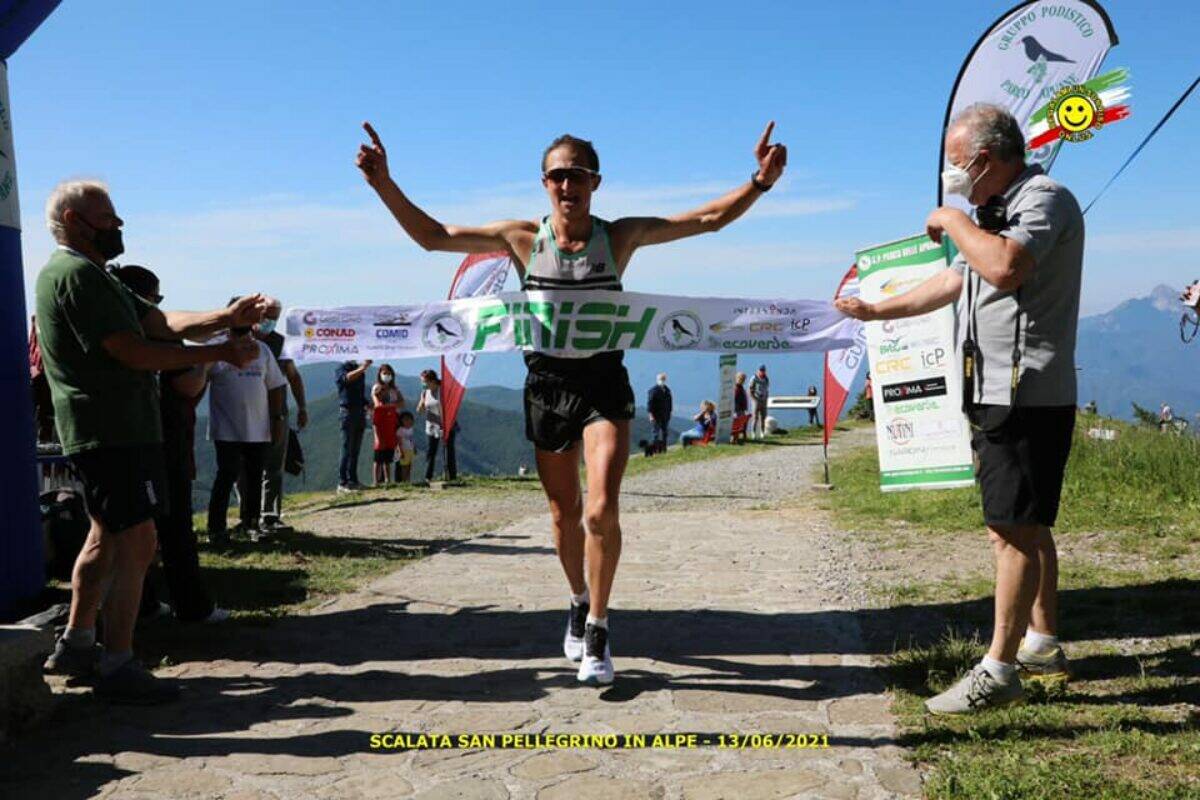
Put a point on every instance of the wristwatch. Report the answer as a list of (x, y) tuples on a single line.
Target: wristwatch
[(762, 187)]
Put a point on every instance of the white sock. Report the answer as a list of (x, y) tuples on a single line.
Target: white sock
[(998, 669), (1040, 642), (111, 662), (599, 623), (79, 637), (580, 599)]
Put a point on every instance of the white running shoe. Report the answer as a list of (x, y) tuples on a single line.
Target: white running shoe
[(573, 641), (596, 668)]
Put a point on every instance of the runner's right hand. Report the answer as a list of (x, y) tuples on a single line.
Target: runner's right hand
[(372, 159), (239, 351)]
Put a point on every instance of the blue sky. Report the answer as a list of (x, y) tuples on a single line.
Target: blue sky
[(227, 132)]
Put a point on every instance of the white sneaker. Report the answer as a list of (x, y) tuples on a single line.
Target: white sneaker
[(596, 668), (218, 614), (573, 641)]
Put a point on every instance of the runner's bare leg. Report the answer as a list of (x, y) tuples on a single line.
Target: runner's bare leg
[(559, 473), (605, 453)]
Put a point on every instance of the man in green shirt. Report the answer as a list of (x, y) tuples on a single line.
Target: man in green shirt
[(100, 354)]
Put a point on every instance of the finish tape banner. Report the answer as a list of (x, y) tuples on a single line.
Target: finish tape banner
[(573, 323)]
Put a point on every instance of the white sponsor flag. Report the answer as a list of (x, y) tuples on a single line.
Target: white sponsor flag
[(1024, 58), (566, 322)]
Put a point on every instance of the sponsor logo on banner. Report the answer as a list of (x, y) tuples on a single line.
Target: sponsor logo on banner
[(890, 326), (911, 390), (329, 318), (330, 349), (933, 358), (443, 332), (331, 333), (680, 331), (399, 320), (900, 430), (896, 286), (769, 310), (887, 366)]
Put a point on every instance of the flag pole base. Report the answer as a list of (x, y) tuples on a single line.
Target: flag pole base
[(825, 487)]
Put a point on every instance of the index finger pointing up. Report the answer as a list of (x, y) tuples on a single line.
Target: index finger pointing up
[(766, 136), (371, 132)]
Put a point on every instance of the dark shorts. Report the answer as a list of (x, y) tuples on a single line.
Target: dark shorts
[(559, 406), (1021, 465), (384, 456), (123, 486)]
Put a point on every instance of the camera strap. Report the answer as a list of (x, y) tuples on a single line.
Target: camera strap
[(972, 363)]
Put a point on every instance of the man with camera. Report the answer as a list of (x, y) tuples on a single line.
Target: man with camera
[(1017, 278)]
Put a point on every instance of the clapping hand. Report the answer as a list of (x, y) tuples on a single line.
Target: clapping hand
[(855, 307), (772, 158), (247, 311)]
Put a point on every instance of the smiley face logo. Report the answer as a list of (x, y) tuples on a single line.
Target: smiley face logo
[(1076, 111)]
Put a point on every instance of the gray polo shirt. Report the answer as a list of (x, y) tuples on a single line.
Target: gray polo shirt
[(1044, 218)]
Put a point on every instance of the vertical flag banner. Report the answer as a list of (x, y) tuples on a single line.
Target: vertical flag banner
[(1025, 57), (726, 372), (478, 275), (922, 434), (841, 366)]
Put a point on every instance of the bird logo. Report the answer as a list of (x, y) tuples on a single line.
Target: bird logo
[(1034, 51), (443, 332), (680, 330)]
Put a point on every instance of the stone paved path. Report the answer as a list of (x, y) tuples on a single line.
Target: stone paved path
[(731, 615)]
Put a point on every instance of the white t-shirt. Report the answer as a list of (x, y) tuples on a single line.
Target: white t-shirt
[(238, 410), (433, 412)]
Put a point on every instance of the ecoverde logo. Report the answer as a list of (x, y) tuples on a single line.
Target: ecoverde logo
[(558, 325)]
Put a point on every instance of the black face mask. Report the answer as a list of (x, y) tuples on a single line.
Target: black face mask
[(108, 241)]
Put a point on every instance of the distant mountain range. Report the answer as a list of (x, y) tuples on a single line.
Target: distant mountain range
[(1134, 354)]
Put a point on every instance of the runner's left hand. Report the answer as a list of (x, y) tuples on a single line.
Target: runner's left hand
[(772, 158)]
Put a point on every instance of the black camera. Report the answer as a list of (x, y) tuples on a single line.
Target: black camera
[(993, 215)]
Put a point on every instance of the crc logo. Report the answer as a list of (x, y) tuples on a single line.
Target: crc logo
[(933, 358), (680, 330), (890, 365), (391, 333), (900, 431), (443, 332)]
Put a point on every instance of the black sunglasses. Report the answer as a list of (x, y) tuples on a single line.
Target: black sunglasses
[(576, 174)]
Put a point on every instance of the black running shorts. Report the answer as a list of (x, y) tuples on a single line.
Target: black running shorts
[(560, 404), (1022, 463), (123, 486)]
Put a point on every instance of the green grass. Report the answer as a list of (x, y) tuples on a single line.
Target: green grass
[(1122, 731), (1143, 483)]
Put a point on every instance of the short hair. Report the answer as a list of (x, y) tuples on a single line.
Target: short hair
[(590, 156), (68, 194), (993, 128), (138, 280)]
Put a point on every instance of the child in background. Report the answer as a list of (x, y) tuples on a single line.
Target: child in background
[(387, 402), (405, 449)]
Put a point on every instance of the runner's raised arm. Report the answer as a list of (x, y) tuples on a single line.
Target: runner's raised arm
[(424, 229), (630, 233)]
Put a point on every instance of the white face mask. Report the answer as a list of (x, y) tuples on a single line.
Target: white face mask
[(385, 378), (957, 180)]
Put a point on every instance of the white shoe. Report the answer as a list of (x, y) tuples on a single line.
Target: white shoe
[(573, 640), (596, 668), (218, 614)]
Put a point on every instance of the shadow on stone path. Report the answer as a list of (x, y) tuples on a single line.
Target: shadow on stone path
[(726, 619)]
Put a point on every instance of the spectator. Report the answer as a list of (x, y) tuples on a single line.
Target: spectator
[(272, 488), (179, 393), (813, 419), (760, 392), (405, 450), (431, 404), (660, 404), (1091, 408), (706, 424), (1018, 271), (99, 361), (1165, 417), (352, 397), (741, 401), (245, 418), (385, 418)]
